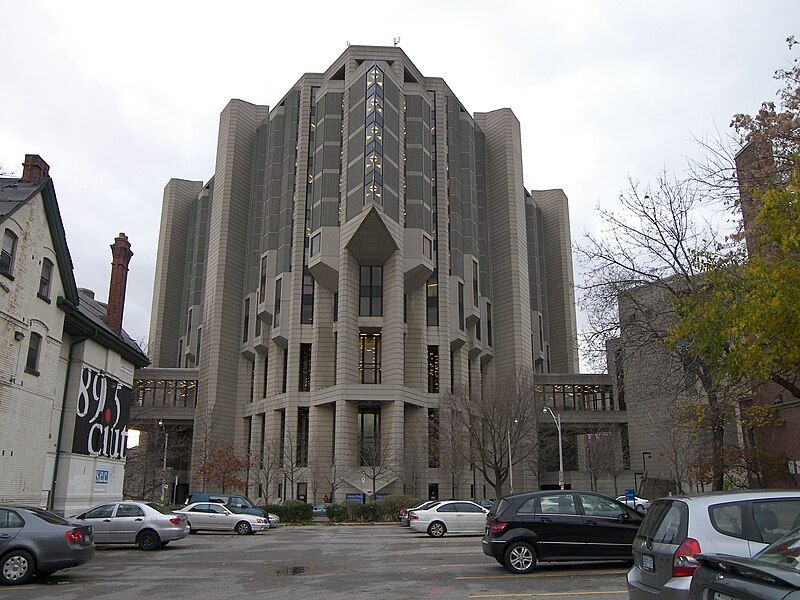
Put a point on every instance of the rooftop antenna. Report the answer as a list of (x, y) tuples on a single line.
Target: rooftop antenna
[(396, 41)]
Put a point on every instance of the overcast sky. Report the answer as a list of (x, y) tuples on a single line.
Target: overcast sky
[(119, 98)]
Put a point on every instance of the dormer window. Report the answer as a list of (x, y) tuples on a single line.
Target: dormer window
[(46, 279), (8, 253)]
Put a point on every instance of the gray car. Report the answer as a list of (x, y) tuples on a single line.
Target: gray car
[(34, 541), (211, 516), (145, 524), (679, 528)]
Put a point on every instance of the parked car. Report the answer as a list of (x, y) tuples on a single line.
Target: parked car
[(556, 526), (772, 574), (640, 504), (146, 524), (320, 510), (35, 541), (678, 528), (487, 503), (404, 512), (454, 516), (213, 516), (237, 504)]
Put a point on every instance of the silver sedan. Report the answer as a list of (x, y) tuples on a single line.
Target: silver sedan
[(145, 524), (454, 516), (209, 516)]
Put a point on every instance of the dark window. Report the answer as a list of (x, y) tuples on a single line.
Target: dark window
[(478, 330), (489, 323), (369, 435), (262, 283), (307, 299), (129, 510), (405, 308), (452, 371), (276, 318), (302, 437), (45, 280), (528, 507), (266, 374), (475, 283), (285, 369), (776, 518), (597, 506), (728, 518), (371, 292), (305, 368), (302, 491), (34, 346), (101, 512), (189, 323), (557, 504), (246, 326), (46, 516), (433, 438), (433, 369), (450, 507), (197, 347), (432, 300), (461, 306), (370, 359), (282, 446), (335, 306), (8, 252), (315, 241), (11, 520), (180, 353), (433, 491), (258, 327)]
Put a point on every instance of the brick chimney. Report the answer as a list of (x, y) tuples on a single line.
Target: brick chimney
[(34, 168), (121, 256)]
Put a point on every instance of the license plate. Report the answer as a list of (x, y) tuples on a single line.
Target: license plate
[(721, 596), (647, 563)]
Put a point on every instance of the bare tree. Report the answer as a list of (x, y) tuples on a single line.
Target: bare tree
[(265, 468), (452, 451), (289, 463), (415, 460), (377, 462), (501, 416), (333, 476)]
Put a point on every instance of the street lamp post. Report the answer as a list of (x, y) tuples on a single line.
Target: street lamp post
[(510, 470), (645, 456), (164, 484), (557, 419)]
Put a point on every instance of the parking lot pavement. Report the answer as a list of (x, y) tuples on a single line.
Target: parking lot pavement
[(319, 562)]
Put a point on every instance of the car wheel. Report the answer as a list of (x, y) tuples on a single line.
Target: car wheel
[(148, 540), (436, 529), (17, 567), (243, 528), (520, 557), (190, 528), (640, 507)]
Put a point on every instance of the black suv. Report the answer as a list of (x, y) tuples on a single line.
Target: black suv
[(559, 525)]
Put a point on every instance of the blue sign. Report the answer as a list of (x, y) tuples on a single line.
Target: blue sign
[(101, 477), (354, 497), (380, 496), (629, 495)]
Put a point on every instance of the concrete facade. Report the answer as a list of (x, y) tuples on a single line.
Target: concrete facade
[(369, 247)]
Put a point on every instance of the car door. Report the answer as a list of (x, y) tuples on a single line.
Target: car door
[(100, 519), (447, 513), (219, 518), (126, 523), (609, 526), (471, 517), (10, 525), (198, 516), (558, 526)]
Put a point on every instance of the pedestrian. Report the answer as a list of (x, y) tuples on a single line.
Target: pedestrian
[(326, 500)]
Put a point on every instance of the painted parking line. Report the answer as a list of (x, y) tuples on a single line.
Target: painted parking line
[(549, 594), (538, 575)]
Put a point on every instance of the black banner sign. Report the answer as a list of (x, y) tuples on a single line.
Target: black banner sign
[(104, 409)]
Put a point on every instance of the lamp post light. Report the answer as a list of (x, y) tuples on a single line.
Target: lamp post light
[(557, 419), (510, 471), (645, 456), (164, 484)]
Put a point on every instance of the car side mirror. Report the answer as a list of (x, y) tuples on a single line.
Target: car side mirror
[(623, 517)]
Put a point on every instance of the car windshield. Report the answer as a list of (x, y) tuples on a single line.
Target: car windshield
[(48, 516), (783, 553), (159, 508)]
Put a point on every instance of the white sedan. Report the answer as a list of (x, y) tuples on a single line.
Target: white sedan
[(454, 516), (210, 516), (640, 504)]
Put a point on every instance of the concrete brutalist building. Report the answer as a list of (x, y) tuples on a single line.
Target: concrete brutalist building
[(363, 247)]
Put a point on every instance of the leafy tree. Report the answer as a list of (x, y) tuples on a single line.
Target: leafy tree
[(223, 468)]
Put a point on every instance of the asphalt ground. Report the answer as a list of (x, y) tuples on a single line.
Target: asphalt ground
[(319, 562)]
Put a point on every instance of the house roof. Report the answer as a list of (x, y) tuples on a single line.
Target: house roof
[(85, 315)]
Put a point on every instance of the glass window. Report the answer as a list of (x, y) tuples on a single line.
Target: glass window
[(489, 323), (783, 553), (557, 504), (262, 284), (461, 306), (302, 436), (246, 324), (315, 242), (371, 292), (216, 509), (776, 518), (47, 516), (597, 506), (45, 280), (433, 438), (369, 439), (475, 283), (307, 298), (200, 508), (335, 306), (528, 507), (667, 524), (370, 359), (305, 368), (728, 518), (129, 510), (432, 300), (448, 508), (276, 318), (8, 252), (11, 520), (34, 345), (101, 512), (433, 369), (468, 507)]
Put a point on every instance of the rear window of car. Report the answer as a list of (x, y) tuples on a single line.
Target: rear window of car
[(728, 519), (666, 522), (775, 518), (159, 508), (498, 507), (48, 517)]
